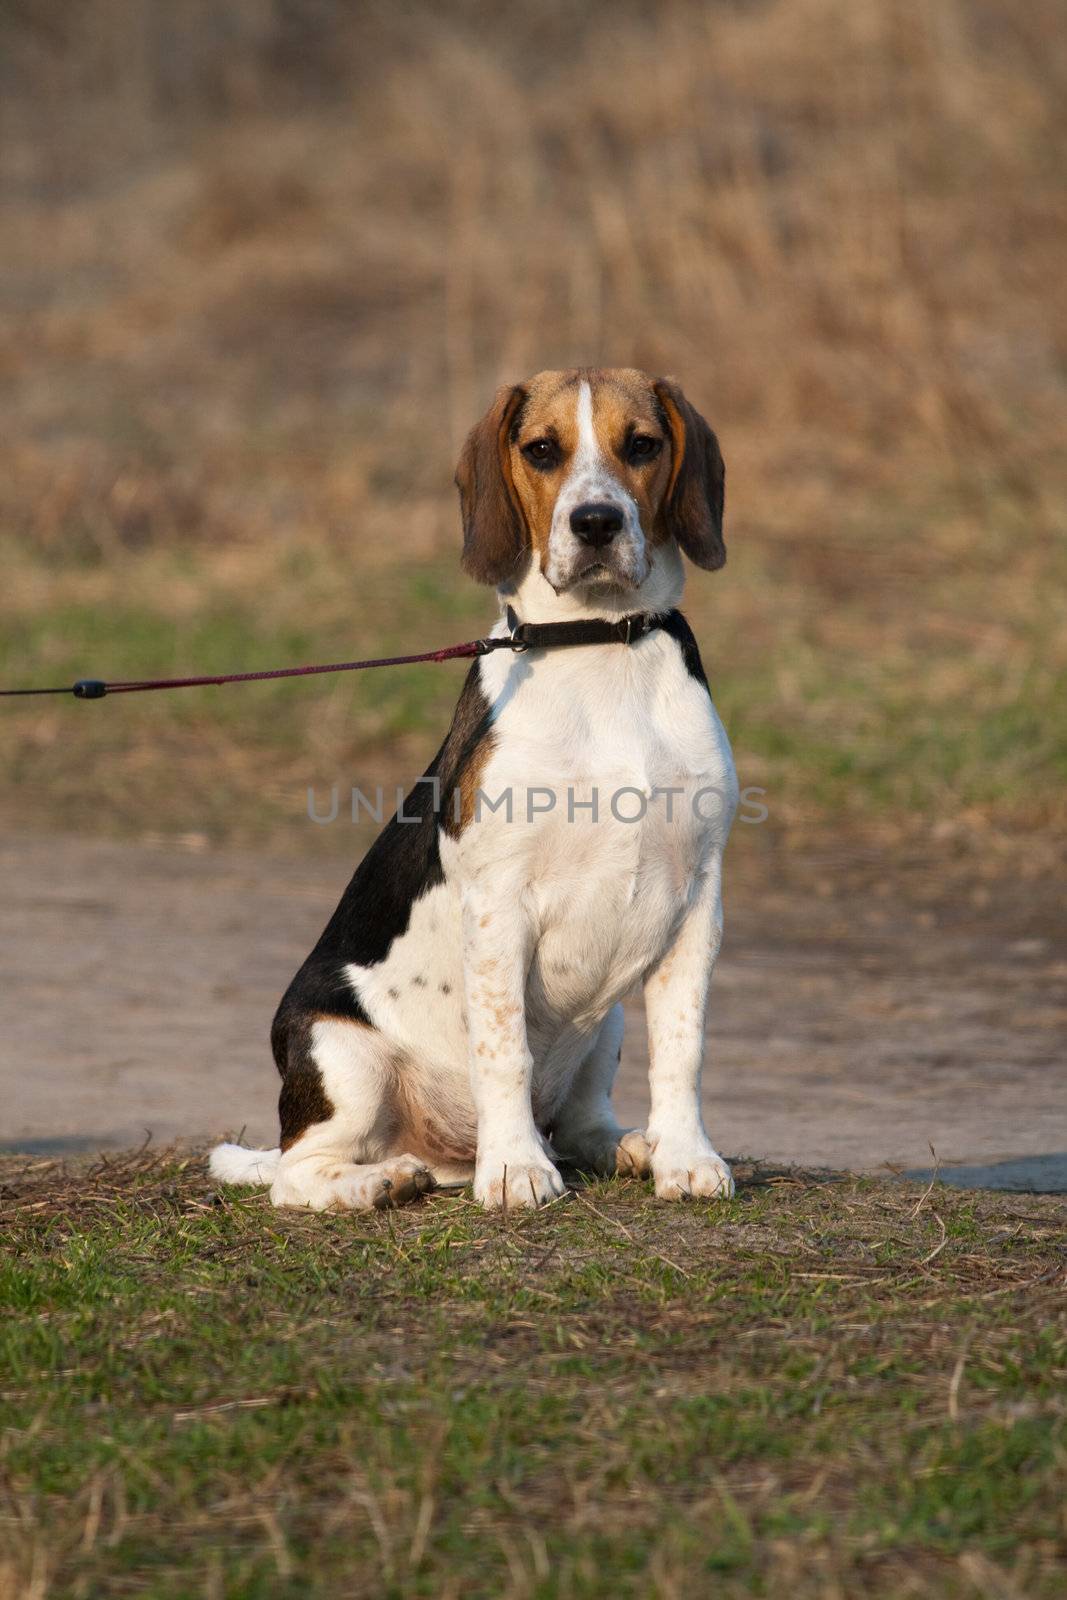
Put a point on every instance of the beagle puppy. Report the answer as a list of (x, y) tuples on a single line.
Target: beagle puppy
[(461, 1014)]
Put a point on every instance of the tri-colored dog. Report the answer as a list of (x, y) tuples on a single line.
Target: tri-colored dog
[(461, 1014)]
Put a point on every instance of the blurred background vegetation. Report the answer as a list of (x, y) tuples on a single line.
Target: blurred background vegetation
[(263, 262)]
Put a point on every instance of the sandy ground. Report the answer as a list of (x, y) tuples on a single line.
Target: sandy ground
[(862, 1012)]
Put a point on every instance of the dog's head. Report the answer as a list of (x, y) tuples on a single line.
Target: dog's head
[(587, 472)]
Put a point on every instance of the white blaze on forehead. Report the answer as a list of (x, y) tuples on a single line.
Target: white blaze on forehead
[(592, 476), (587, 454)]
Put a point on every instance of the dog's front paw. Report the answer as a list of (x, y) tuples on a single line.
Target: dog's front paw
[(683, 1175), (522, 1183), (633, 1158), (606, 1151)]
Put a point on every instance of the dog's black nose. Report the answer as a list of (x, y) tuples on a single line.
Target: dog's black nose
[(596, 523)]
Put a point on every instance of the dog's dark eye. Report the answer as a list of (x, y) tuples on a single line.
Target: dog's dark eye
[(643, 447), (542, 453)]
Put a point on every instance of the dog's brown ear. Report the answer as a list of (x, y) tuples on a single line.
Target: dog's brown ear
[(494, 528), (693, 505)]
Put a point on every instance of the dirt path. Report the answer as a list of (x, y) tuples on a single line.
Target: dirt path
[(859, 1016)]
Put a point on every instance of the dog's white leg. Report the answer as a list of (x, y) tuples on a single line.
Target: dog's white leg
[(336, 1109), (684, 1161), (512, 1166), (586, 1131)]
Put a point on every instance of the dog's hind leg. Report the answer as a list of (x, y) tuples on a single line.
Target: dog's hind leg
[(585, 1133), (337, 1119)]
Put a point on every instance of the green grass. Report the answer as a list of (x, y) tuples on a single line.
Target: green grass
[(794, 1392)]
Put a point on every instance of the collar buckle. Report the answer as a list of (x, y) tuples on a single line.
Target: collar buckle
[(520, 646)]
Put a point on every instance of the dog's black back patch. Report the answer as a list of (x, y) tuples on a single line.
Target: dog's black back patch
[(678, 628), (401, 865)]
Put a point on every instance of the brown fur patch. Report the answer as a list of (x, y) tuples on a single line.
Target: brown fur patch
[(303, 1100), (494, 532), (464, 756), (693, 502), (470, 780)]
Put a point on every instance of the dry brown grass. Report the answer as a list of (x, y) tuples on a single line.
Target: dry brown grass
[(263, 266)]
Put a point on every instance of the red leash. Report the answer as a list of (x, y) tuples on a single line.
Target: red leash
[(96, 688), (521, 636)]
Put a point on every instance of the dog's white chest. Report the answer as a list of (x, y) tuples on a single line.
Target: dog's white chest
[(620, 785)]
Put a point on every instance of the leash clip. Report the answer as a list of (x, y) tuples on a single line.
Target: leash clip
[(487, 646)]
